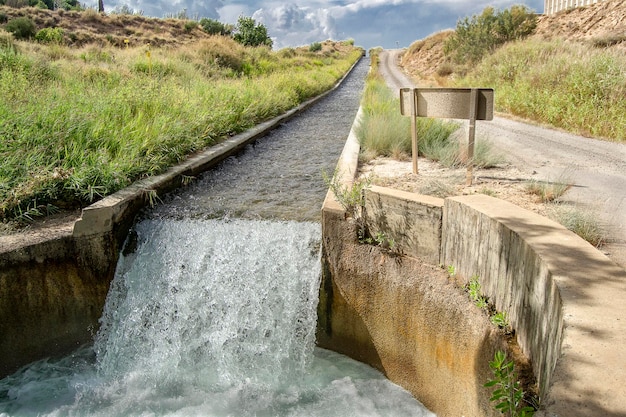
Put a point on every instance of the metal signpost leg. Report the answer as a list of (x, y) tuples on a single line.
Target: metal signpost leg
[(414, 146), (472, 134)]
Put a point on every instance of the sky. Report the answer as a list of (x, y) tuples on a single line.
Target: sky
[(370, 23)]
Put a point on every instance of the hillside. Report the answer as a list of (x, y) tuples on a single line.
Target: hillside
[(602, 24), (89, 26)]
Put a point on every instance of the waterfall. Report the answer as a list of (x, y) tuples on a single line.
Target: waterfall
[(209, 318)]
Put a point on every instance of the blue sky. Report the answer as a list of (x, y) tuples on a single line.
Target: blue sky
[(386, 23)]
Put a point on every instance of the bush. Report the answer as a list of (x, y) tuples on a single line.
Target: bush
[(22, 28), (50, 35), (483, 33), (214, 27), (190, 26), (3, 18), (315, 47)]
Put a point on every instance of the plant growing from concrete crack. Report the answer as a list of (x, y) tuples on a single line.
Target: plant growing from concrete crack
[(473, 289), (508, 395), (501, 320), (349, 197), (151, 197)]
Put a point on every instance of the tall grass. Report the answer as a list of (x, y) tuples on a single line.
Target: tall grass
[(568, 85), (96, 119)]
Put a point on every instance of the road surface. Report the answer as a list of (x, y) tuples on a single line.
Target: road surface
[(597, 169)]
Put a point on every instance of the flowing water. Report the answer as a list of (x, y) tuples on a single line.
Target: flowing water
[(212, 310)]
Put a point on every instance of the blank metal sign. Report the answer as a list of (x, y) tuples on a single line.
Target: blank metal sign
[(453, 103)]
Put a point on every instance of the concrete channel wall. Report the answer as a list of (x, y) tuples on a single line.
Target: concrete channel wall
[(551, 283)]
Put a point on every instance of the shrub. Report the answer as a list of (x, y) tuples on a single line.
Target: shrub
[(50, 35), (215, 27), (3, 18), (222, 52), (315, 47), (22, 28), (190, 26), (445, 69), (476, 36)]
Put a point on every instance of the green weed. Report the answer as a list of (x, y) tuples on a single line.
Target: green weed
[(508, 395), (350, 197)]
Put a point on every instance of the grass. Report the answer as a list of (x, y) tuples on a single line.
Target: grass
[(580, 221), (79, 124), (547, 191), (568, 85)]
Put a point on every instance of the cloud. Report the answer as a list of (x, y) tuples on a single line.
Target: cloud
[(386, 23), (293, 25), (193, 8)]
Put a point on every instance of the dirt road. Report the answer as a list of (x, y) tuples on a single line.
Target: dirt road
[(596, 169)]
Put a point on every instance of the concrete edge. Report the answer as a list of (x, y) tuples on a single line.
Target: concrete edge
[(347, 166), (586, 378)]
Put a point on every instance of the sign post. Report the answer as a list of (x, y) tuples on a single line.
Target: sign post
[(408, 107), (451, 103)]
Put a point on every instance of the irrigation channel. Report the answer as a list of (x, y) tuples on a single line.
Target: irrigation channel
[(212, 311)]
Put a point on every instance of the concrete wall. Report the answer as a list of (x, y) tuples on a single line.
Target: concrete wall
[(565, 299), (407, 319)]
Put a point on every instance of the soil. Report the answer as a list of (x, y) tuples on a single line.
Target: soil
[(505, 182)]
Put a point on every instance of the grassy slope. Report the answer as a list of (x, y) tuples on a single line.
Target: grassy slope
[(569, 75)]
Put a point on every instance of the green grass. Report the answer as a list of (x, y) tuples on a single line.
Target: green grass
[(77, 125), (548, 191), (568, 85)]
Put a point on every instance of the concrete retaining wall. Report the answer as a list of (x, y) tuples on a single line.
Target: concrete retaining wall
[(566, 300)]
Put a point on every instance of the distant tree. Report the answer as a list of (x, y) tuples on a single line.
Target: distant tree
[(249, 33), (214, 27)]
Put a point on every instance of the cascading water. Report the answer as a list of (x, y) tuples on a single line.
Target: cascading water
[(209, 318), (214, 316)]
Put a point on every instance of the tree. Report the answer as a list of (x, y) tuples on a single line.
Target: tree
[(22, 28), (249, 33)]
